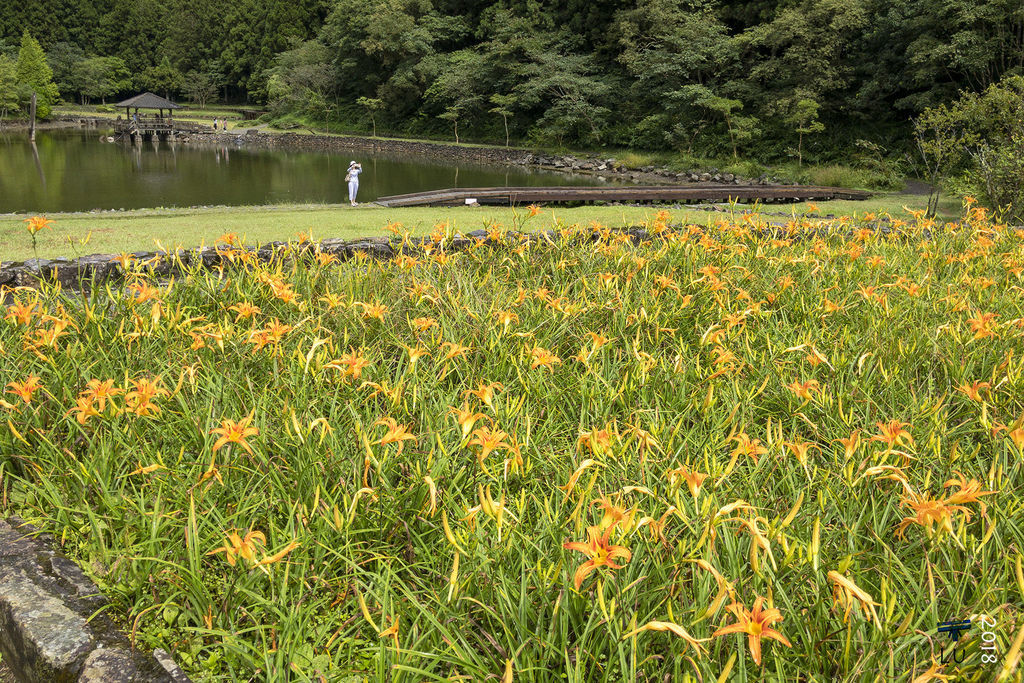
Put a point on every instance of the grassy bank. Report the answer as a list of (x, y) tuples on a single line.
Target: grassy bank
[(711, 457), (115, 232)]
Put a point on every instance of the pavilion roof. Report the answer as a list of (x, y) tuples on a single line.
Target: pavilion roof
[(148, 100)]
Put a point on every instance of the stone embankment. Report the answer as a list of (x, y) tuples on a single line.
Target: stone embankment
[(605, 167), (599, 166), (97, 269), (89, 271), (52, 629)]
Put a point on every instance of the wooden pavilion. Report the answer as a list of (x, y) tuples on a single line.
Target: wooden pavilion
[(141, 126)]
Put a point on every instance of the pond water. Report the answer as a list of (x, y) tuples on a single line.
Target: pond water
[(72, 170)]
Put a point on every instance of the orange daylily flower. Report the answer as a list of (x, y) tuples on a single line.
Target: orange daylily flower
[(805, 390), (973, 390), (929, 512), (21, 313), (541, 357), (235, 432), (694, 480), (970, 491), (614, 515), (142, 292), (597, 440), (422, 324), (1017, 437), (485, 392), (466, 418), (747, 446), (244, 310), (415, 353), (37, 223), (25, 390), (351, 364), (455, 350), (983, 325), (100, 391), (800, 449), (332, 300), (850, 443), (391, 632), (892, 433), (489, 440), (83, 410), (600, 551), (372, 311), (396, 433), (139, 400), (325, 258), (236, 546), (757, 624), (505, 318)]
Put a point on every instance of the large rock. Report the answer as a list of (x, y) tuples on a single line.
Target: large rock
[(49, 628), (41, 638), (111, 665)]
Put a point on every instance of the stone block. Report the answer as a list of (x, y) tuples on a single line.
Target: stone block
[(14, 545), (41, 638), (110, 665)]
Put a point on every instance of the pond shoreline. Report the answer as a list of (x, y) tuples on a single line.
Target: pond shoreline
[(606, 168)]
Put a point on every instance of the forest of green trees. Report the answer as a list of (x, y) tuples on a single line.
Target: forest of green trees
[(733, 77)]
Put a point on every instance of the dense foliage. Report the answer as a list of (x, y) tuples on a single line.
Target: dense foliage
[(702, 75), (981, 136), (592, 460)]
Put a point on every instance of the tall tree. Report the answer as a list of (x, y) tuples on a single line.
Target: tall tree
[(163, 79), (201, 87), (380, 48), (34, 73), (666, 47), (8, 86), (62, 58), (101, 77)]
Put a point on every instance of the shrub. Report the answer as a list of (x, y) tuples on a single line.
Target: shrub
[(836, 175), (981, 134)]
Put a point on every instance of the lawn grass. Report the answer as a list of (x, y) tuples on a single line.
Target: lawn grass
[(115, 232), (308, 470)]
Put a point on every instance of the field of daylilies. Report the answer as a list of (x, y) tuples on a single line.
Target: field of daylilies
[(735, 451)]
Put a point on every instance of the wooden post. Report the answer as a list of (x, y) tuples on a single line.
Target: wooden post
[(32, 119)]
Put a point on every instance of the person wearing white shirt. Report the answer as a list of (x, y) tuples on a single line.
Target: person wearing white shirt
[(352, 177)]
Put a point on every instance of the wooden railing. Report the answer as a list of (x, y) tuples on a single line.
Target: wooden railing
[(145, 124)]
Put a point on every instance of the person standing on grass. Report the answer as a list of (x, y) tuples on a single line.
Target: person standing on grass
[(352, 178)]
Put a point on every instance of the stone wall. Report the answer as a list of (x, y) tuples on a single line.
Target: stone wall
[(592, 165), (50, 631), (97, 269), (606, 167)]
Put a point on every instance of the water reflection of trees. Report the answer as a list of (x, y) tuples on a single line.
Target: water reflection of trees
[(82, 173)]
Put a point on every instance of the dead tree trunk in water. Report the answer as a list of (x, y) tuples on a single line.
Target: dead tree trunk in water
[(32, 119)]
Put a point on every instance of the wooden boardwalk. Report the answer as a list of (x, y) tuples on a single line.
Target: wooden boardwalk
[(639, 194)]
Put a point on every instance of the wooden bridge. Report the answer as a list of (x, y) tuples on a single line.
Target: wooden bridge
[(654, 194)]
